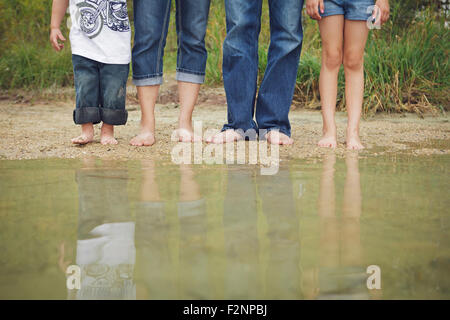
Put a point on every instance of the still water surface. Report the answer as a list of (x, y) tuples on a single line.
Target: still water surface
[(155, 230)]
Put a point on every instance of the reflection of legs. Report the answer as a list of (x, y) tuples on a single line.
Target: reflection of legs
[(329, 236), (353, 274), (241, 239), (350, 227), (355, 36), (332, 34), (283, 278), (329, 233), (192, 217), (154, 268)]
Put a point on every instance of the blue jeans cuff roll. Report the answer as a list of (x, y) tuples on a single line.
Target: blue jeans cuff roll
[(87, 115), (150, 81), (115, 117), (190, 77)]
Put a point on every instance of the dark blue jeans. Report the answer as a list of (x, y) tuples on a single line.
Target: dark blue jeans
[(151, 21), (100, 91), (240, 64)]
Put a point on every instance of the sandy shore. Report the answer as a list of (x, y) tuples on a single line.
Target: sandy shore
[(43, 129)]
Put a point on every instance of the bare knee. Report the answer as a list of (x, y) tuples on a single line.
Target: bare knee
[(353, 61), (332, 59)]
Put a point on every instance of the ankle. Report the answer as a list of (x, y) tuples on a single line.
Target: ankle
[(87, 128), (352, 131)]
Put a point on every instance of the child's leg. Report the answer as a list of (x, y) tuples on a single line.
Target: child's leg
[(87, 112), (188, 93), (113, 85), (147, 99), (355, 37), (332, 34)]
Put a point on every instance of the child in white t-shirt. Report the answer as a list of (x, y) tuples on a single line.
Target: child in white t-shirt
[(100, 38)]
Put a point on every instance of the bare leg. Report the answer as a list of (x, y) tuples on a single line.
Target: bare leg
[(355, 37), (147, 99), (87, 134), (332, 34), (107, 134), (188, 93)]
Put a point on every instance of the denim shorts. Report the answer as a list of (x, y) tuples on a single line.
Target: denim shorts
[(100, 91), (350, 9)]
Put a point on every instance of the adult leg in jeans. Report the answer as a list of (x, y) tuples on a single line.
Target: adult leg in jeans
[(240, 66), (277, 88), (192, 21), (151, 20)]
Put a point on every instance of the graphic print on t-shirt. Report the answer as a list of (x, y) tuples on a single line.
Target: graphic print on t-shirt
[(92, 15)]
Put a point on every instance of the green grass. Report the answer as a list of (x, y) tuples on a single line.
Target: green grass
[(406, 62)]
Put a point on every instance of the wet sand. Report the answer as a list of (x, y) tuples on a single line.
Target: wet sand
[(43, 129)]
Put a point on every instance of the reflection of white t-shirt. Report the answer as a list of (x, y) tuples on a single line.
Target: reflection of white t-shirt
[(107, 263), (101, 30)]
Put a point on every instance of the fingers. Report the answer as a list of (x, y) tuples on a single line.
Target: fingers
[(56, 35), (312, 9), (385, 15), (322, 7), (61, 37)]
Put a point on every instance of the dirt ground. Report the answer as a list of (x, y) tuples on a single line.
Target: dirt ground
[(43, 128)]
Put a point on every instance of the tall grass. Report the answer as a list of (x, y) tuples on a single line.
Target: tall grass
[(406, 62)]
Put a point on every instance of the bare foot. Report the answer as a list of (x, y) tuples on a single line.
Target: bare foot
[(87, 134), (145, 138), (226, 136), (186, 135), (328, 141), (107, 135), (353, 141), (276, 137)]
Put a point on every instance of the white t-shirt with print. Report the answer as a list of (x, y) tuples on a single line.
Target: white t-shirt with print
[(101, 30)]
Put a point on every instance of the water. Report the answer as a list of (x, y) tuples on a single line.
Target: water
[(154, 230)]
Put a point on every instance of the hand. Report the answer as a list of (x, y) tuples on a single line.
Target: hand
[(55, 35), (383, 15), (312, 8)]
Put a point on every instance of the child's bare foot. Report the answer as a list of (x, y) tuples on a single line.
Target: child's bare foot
[(226, 136), (145, 139), (353, 141), (87, 134), (276, 137), (107, 134)]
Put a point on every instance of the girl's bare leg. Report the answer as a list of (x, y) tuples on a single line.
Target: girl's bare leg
[(355, 37), (332, 34)]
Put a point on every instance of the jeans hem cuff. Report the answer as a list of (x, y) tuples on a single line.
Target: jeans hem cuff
[(190, 77), (153, 81), (114, 117), (86, 115)]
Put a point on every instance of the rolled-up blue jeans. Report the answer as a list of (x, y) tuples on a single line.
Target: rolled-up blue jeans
[(151, 21), (240, 64)]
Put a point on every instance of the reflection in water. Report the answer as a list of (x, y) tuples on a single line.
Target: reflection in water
[(158, 231), (341, 274), (157, 274), (244, 265), (105, 246)]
